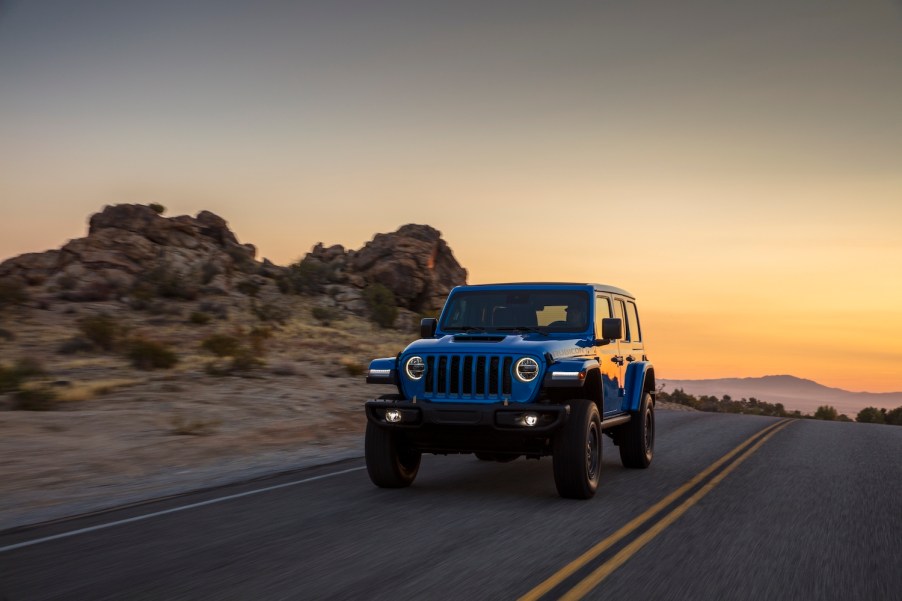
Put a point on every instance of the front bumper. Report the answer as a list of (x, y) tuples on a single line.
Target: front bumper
[(471, 427)]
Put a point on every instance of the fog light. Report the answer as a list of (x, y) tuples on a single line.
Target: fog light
[(393, 416), (530, 419)]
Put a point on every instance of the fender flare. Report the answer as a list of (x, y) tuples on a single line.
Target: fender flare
[(640, 375), (568, 373)]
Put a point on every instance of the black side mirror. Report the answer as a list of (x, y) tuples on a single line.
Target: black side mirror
[(427, 327), (612, 328)]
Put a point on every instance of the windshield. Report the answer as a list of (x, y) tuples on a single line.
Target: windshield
[(509, 310)]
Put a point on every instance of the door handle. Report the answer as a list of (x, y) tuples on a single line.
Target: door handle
[(630, 358), (617, 359)]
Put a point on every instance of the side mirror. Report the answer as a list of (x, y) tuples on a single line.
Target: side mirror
[(612, 328), (428, 327)]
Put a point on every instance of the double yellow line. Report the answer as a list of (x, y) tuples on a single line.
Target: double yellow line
[(746, 448)]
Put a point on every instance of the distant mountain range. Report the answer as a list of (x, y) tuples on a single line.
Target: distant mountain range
[(794, 393)]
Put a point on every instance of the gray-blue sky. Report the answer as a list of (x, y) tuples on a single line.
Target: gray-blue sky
[(770, 131)]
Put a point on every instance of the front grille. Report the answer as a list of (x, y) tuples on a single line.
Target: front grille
[(468, 376)]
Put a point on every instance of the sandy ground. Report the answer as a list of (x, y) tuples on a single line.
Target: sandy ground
[(124, 446), (122, 435)]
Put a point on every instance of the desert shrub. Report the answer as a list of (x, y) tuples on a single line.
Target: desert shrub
[(12, 292), (157, 208), (354, 368), (101, 329), (40, 398), (871, 415), (166, 282), (894, 416), (826, 412), (381, 302), (271, 312), (10, 379), (308, 276), (150, 354), (241, 258), (221, 345), (199, 318), (29, 367), (326, 315), (248, 287), (257, 337), (245, 360), (218, 310)]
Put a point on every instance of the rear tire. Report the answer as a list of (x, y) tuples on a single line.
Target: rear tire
[(577, 452), (637, 438), (389, 462)]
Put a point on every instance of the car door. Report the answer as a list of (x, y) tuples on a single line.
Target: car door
[(608, 359)]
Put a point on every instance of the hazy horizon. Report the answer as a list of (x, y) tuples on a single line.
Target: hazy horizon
[(736, 166)]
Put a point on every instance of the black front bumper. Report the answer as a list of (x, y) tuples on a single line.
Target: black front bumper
[(471, 427)]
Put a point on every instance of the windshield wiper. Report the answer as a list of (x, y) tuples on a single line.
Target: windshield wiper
[(467, 329), (522, 329)]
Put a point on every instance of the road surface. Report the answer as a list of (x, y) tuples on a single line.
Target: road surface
[(733, 507)]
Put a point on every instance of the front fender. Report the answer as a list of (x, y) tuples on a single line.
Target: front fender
[(383, 371), (638, 374), (569, 373)]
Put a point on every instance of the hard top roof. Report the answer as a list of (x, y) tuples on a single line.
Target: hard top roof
[(597, 287)]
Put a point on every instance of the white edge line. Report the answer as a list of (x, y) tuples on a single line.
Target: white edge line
[(147, 516)]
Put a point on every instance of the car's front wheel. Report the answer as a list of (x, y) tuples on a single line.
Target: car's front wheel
[(389, 461), (577, 452)]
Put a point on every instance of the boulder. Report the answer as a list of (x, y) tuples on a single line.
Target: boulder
[(127, 242)]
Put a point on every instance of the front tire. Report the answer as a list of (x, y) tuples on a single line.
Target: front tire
[(389, 462), (577, 452), (637, 439)]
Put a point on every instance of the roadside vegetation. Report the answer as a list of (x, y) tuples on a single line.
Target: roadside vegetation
[(753, 406)]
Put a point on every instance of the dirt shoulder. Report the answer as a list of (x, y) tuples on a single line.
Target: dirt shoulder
[(116, 434)]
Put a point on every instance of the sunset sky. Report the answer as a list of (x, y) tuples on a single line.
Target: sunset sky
[(738, 166)]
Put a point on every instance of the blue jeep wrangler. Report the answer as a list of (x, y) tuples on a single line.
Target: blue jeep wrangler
[(518, 369)]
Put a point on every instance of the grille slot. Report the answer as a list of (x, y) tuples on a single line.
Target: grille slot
[(469, 376)]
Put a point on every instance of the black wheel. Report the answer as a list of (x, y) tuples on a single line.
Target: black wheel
[(389, 462), (577, 452), (637, 438)]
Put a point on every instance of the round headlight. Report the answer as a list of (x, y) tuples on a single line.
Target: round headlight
[(415, 368), (526, 369)]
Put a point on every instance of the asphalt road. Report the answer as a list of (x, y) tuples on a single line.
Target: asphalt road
[(805, 510)]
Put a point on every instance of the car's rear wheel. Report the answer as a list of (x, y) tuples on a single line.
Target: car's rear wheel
[(577, 452), (637, 438), (389, 461)]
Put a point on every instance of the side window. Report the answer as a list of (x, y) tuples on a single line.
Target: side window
[(620, 312), (635, 333), (602, 310)]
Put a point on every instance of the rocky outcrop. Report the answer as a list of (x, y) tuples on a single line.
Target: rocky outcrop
[(415, 263), (132, 250), (127, 242)]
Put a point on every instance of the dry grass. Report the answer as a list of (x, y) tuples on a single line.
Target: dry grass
[(194, 426), (89, 390)]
